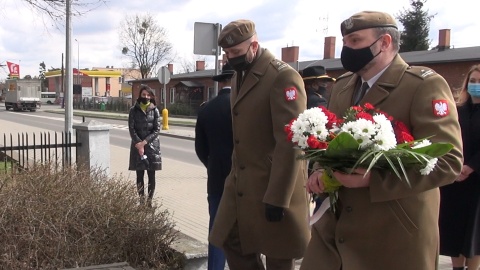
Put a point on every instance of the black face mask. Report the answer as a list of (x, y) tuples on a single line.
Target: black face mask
[(143, 100), (240, 63), (355, 59)]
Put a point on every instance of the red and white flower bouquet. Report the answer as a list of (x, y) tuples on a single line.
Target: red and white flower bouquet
[(364, 138)]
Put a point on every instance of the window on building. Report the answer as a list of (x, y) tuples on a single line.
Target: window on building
[(172, 95), (210, 93), (162, 96)]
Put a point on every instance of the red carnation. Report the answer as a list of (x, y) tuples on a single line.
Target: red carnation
[(364, 115), (332, 119), (288, 130), (357, 108), (312, 142), (368, 106), (402, 134), (322, 145)]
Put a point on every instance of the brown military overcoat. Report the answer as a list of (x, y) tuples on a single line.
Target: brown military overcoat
[(390, 225), (265, 168)]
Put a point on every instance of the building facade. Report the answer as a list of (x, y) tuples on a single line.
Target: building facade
[(191, 89)]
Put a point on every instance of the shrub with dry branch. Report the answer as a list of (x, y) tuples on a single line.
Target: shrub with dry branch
[(78, 218)]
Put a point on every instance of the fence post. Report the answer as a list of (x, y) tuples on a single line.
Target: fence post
[(94, 153)]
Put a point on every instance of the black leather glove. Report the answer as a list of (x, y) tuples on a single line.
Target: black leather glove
[(273, 213)]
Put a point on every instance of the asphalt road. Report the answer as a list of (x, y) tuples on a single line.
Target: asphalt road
[(173, 148)]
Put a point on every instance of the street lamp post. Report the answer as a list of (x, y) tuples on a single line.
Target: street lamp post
[(78, 62)]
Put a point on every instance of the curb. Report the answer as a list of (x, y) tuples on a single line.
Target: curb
[(120, 117), (195, 252), (177, 136)]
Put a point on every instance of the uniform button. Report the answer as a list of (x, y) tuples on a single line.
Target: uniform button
[(240, 194), (242, 167), (341, 240), (349, 209)]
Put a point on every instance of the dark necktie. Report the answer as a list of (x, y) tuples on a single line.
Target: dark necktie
[(360, 92)]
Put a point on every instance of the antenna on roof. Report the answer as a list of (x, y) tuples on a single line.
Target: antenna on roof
[(323, 24)]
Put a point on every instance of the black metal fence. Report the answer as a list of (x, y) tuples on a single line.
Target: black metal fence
[(21, 151)]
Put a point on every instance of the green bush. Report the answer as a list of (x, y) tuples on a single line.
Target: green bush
[(180, 109), (78, 218)]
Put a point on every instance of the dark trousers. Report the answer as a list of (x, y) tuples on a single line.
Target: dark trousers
[(318, 202), (151, 183), (216, 258), (239, 261)]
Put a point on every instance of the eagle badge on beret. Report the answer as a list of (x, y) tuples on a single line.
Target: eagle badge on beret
[(348, 23), (229, 39), (440, 107), (291, 93)]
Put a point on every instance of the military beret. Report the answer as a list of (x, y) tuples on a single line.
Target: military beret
[(235, 33), (365, 20)]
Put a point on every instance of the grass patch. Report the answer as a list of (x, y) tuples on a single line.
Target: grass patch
[(5, 166)]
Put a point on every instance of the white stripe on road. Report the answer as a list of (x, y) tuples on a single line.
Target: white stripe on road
[(73, 120)]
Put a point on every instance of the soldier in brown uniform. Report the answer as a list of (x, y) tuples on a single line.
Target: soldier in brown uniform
[(264, 207), (381, 222)]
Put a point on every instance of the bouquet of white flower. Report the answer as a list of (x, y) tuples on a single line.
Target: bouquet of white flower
[(364, 137)]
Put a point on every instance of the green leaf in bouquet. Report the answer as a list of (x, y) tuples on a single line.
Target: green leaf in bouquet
[(403, 171), (342, 145), (386, 160), (434, 149)]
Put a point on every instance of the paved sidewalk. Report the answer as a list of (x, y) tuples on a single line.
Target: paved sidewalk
[(181, 187)]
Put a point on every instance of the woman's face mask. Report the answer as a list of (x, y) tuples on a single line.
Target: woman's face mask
[(474, 89)]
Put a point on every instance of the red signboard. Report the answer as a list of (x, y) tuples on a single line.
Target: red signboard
[(14, 70)]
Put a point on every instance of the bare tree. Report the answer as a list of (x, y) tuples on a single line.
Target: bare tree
[(190, 65), (55, 9), (145, 43)]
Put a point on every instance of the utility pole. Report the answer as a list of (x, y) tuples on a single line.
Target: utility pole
[(68, 71), (78, 62)]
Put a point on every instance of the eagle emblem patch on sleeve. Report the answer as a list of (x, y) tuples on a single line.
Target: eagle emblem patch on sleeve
[(291, 93), (440, 107)]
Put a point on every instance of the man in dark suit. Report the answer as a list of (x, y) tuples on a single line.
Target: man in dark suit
[(214, 146), (316, 80)]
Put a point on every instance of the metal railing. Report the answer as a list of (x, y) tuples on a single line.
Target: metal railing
[(22, 151)]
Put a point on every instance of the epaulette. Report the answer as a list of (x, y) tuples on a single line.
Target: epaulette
[(203, 103), (421, 72), (345, 75), (279, 65)]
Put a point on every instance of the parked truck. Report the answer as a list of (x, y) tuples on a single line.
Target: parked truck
[(23, 94)]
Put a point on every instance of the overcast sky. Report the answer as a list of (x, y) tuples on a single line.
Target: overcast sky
[(27, 38)]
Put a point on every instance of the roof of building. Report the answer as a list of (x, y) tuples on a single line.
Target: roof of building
[(191, 84), (412, 58), (90, 73)]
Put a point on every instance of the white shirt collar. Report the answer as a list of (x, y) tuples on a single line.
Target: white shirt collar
[(374, 79)]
